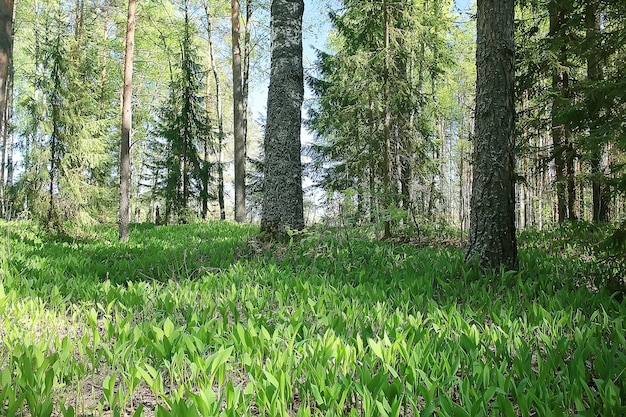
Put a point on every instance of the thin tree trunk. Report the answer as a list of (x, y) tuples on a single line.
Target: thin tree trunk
[(247, 50), (492, 238), (283, 198), (238, 117), (7, 127), (52, 221), (387, 123), (124, 213), (220, 119), (558, 129), (207, 151), (372, 163), (600, 196), (105, 55), (6, 57)]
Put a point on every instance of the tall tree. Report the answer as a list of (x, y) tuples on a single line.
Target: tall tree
[(124, 213), (6, 59), (283, 197), (238, 116), (375, 101), (184, 125), (218, 110), (492, 239), (600, 194)]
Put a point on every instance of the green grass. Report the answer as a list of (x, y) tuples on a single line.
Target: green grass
[(194, 321)]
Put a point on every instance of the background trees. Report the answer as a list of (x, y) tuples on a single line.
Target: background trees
[(85, 39), (390, 112), (377, 98), (567, 100)]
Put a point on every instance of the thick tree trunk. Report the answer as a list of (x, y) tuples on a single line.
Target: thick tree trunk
[(492, 239), (238, 117), (124, 213), (283, 197)]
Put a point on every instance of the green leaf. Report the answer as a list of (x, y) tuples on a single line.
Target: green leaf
[(139, 411), (168, 328), (271, 378), (377, 348), (220, 358), (505, 406)]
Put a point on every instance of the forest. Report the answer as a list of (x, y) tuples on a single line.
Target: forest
[(312, 208)]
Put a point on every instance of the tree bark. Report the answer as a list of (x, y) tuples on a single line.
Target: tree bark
[(600, 192), (238, 117), (283, 196), (124, 213), (387, 122), (247, 51), (558, 128), (492, 239), (220, 119), (6, 57)]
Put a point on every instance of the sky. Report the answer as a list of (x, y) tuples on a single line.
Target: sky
[(316, 26)]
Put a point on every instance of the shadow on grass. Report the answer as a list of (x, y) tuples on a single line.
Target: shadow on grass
[(398, 275), (152, 254), (408, 277)]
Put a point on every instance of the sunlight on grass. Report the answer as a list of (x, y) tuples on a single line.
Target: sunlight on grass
[(195, 320)]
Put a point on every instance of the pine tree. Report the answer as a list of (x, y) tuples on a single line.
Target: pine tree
[(492, 238)]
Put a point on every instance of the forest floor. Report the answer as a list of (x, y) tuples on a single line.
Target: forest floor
[(205, 320)]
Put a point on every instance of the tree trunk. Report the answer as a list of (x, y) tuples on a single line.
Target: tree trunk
[(492, 239), (8, 117), (105, 55), (558, 129), (247, 51), (6, 57), (124, 213), (283, 197), (387, 123), (207, 152), (220, 119), (600, 195), (238, 117)]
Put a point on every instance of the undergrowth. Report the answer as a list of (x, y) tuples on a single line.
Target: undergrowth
[(204, 320)]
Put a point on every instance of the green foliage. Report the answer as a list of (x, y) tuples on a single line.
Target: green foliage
[(60, 104), (577, 86), (362, 81), (184, 126), (332, 324)]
